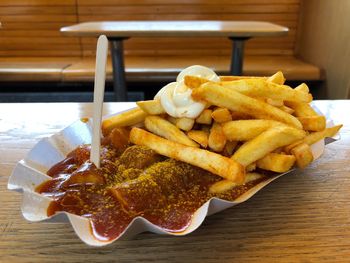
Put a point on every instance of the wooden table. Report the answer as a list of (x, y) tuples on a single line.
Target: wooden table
[(301, 217), (237, 31)]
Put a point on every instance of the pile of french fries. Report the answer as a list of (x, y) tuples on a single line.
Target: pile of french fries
[(248, 123)]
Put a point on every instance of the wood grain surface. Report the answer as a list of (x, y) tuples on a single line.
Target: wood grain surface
[(301, 217)]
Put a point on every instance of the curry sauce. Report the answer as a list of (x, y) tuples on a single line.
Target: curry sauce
[(130, 183)]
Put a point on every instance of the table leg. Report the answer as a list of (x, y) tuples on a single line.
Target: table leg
[(237, 55), (119, 83)]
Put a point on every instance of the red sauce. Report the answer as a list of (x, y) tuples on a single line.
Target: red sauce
[(137, 182)]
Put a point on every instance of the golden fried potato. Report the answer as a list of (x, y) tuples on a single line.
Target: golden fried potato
[(230, 146), (303, 88), (235, 101), (314, 137), (194, 81), (221, 115), (275, 102), (184, 124), (313, 123), (251, 167), (276, 162), (286, 109), (277, 78), (266, 142), (226, 185), (163, 128), (244, 130), (205, 117), (212, 162), (200, 137), (236, 115), (217, 139), (301, 109), (127, 118), (266, 89), (152, 107), (303, 155)]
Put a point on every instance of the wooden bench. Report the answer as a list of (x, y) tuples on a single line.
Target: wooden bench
[(32, 48)]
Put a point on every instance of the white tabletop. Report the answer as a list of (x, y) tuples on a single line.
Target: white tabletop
[(175, 29)]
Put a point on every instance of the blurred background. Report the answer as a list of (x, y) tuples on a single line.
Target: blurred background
[(39, 64)]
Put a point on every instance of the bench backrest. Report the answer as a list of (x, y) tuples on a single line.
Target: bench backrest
[(31, 27)]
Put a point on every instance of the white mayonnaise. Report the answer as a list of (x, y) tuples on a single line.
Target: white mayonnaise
[(176, 97)]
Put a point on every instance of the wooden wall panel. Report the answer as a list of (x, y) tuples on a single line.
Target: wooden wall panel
[(31, 28)]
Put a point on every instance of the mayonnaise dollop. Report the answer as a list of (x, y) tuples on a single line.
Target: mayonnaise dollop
[(176, 97)]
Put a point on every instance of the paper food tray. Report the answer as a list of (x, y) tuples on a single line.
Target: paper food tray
[(31, 171)]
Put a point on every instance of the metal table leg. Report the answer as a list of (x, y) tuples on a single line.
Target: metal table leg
[(119, 83), (237, 55)]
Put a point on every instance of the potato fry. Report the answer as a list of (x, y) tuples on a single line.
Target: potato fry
[(221, 115), (277, 78), (301, 109), (314, 137), (266, 142), (274, 102), (200, 137), (226, 185), (251, 167), (217, 139), (152, 107), (212, 162), (303, 88), (276, 162), (286, 109), (184, 124), (163, 128), (303, 155), (313, 123), (230, 146), (265, 89), (235, 101), (194, 81), (127, 118), (244, 130), (236, 115), (205, 117), (171, 119)]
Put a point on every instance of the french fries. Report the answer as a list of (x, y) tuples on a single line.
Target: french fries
[(313, 123), (193, 81), (221, 115), (205, 117), (266, 89), (184, 124), (266, 142), (244, 130), (151, 107), (303, 155), (276, 162), (315, 137), (226, 185), (163, 128), (277, 78), (217, 139), (127, 118), (235, 101), (213, 162), (248, 123), (200, 137)]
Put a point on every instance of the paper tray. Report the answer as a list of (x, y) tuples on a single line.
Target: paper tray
[(31, 171)]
